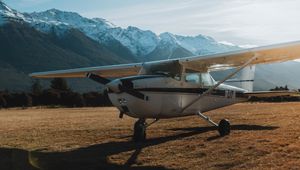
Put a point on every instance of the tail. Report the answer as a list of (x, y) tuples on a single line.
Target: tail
[(245, 80)]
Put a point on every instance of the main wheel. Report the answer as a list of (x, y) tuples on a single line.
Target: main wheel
[(139, 134), (224, 127)]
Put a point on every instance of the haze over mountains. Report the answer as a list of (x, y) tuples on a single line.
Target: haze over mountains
[(55, 39)]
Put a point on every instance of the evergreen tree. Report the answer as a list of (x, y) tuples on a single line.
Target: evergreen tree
[(50, 97), (59, 84), (36, 88), (3, 102)]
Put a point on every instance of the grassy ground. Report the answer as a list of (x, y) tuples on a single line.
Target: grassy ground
[(264, 136)]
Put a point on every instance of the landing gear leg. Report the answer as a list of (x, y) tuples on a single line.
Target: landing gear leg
[(139, 134), (223, 126)]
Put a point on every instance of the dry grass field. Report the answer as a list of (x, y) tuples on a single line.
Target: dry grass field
[(264, 136)]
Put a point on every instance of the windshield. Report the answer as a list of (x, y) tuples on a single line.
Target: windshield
[(168, 68)]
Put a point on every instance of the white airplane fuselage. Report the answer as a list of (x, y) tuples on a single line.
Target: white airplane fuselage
[(182, 87), (166, 96)]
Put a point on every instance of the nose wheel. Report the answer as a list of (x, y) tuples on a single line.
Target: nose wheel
[(140, 126), (139, 134)]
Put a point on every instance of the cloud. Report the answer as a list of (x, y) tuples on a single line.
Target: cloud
[(238, 21), (23, 5)]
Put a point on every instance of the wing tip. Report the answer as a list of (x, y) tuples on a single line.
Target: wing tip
[(33, 75)]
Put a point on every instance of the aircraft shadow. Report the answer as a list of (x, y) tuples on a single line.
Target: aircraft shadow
[(96, 156), (233, 127), (90, 158)]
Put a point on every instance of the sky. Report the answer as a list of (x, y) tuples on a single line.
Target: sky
[(241, 22)]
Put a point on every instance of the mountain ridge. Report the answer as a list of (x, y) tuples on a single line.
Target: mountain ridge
[(139, 42)]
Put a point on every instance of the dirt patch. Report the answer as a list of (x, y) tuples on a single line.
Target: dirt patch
[(264, 136)]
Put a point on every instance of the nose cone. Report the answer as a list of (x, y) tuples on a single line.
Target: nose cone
[(114, 86)]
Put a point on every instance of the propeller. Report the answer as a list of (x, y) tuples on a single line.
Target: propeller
[(125, 86)]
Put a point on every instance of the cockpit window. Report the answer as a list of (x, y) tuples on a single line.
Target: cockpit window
[(192, 78)]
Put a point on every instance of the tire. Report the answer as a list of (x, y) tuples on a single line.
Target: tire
[(224, 127), (139, 134)]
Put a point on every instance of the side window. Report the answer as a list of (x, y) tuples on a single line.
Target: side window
[(192, 78), (206, 79)]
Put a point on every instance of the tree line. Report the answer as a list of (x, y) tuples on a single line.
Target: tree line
[(278, 98), (59, 94)]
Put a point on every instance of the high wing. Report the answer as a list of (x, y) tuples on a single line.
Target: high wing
[(111, 71), (266, 54), (273, 93)]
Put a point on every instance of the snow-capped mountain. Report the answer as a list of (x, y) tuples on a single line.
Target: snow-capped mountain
[(202, 45), (198, 45), (168, 39), (54, 17), (168, 48), (139, 42), (8, 14)]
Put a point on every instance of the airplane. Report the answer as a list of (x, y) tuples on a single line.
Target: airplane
[(183, 86)]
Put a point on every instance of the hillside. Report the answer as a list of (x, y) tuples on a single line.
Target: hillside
[(24, 50)]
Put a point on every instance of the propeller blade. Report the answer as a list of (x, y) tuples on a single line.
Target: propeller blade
[(98, 78), (137, 94), (127, 87)]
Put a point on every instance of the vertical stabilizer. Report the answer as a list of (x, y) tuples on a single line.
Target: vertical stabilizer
[(245, 79)]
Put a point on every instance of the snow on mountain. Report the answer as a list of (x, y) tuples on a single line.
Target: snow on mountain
[(168, 39), (167, 44), (203, 45), (139, 42), (198, 45), (53, 17), (105, 22), (7, 13)]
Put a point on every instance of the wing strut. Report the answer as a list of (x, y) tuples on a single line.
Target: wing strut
[(220, 82)]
